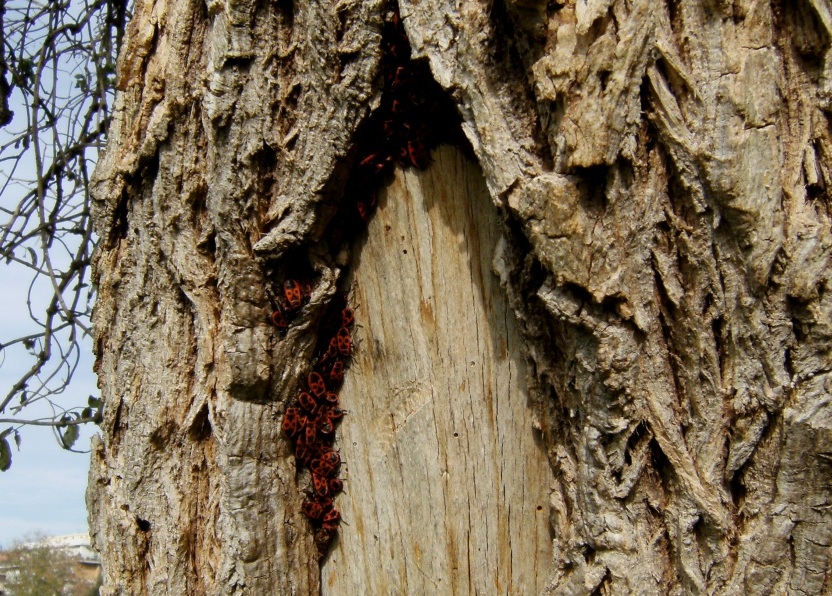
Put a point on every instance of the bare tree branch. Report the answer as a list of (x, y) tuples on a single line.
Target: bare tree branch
[(55, 112)]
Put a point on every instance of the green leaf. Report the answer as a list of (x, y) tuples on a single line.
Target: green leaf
[(69, 436), (5, 455), (25, 72), (82, 83)]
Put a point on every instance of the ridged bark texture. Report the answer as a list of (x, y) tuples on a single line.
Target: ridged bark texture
[(659, 175)]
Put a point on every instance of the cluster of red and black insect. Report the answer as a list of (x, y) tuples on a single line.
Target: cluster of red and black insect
[(414, 116), (312, 419), (295, 295)]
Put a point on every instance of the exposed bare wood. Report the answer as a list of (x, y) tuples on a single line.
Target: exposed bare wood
[(447, 487)]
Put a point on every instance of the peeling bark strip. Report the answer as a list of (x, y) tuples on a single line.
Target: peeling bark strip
[(663, 174)]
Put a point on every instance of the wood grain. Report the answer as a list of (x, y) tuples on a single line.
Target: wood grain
[(446, 486)]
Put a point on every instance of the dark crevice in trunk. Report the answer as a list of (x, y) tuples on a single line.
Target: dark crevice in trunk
[(137, 186), (200, 429)]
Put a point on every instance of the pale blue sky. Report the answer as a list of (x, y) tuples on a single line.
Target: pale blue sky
[(44, 489)]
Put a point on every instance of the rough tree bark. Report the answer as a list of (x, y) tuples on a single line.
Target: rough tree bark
[(636, 400)]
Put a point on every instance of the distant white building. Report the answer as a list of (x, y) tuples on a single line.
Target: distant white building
[(77, 545)]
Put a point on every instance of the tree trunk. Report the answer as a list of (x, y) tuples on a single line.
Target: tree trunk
[(634, 400)]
